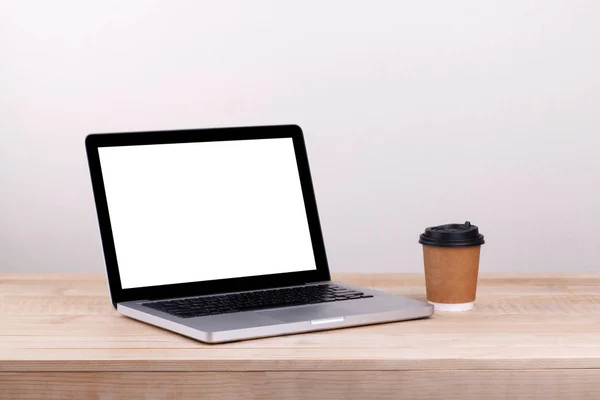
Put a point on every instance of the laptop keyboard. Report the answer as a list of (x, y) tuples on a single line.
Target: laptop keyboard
[(248, 301)]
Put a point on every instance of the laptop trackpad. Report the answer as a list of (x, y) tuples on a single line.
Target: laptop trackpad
[(306, 313)]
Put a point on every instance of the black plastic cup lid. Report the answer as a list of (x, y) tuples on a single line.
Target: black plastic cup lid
[(452, 235)]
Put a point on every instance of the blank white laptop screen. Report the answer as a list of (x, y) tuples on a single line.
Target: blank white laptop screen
[(189, 212)]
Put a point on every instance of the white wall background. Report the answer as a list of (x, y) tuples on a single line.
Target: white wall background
[(416, 113)]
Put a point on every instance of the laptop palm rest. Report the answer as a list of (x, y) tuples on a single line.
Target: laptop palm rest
[(310, 313)]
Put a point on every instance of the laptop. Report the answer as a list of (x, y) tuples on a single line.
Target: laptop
[(214, 234)]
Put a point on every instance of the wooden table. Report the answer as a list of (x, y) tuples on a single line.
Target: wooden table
[(530, 337)]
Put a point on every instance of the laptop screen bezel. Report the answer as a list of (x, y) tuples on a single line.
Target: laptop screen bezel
[(94, 141)]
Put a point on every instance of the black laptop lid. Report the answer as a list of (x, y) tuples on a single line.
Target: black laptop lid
[(192, 212)]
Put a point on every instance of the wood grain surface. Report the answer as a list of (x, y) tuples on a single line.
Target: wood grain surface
[(529, 337)]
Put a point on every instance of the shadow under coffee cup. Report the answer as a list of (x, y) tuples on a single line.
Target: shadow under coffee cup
[(451, 258)]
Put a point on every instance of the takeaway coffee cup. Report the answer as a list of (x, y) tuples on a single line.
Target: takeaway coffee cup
[(451, 258)]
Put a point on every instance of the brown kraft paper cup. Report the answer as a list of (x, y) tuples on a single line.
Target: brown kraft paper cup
[(451, 267), (451, 273)]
